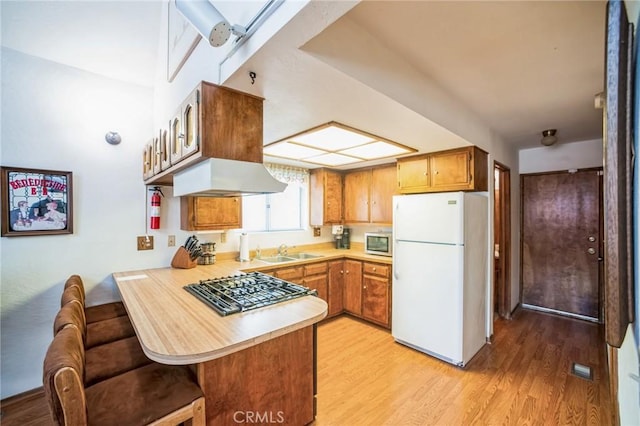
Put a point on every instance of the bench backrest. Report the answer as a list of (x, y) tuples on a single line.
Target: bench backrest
[(63, 374)]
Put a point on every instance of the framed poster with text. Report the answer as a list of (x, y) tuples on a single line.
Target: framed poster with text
[(35, 202)]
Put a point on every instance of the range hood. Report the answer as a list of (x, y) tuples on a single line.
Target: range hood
[(216, 177)]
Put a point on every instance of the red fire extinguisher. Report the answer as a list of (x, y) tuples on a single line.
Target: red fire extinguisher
[(155, 207)]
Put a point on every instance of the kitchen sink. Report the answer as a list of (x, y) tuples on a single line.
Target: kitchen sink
[(289, 258), (277, 259), (304, 255)]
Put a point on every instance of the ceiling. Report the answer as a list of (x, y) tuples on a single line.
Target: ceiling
[(521, 67)]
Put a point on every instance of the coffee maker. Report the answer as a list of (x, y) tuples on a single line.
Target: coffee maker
[(342, 236)]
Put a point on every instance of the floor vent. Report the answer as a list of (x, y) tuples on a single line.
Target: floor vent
[(582, 371)]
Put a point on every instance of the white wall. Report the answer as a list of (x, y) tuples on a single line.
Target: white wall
[(576, 155), (55, 117)]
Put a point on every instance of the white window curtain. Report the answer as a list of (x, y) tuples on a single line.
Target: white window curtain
[(288, 174)]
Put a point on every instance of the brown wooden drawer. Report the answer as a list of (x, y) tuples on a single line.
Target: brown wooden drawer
[(315, 268), (290, 274), (375, 269)]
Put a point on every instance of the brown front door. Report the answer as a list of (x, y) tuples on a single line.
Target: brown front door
[(561, 242)]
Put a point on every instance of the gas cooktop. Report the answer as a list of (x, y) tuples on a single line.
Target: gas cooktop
[(240, 293)]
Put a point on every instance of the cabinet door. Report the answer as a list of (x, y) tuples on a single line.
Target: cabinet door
[(413, 175), (165, 150), (353, 287), (383, 187), (318, 283), (375, 299), (208, 213), (147, 161), (325, 197), (175, 137), (451, 170), (333, 197), (336, 287), (356, 196), (293, 274), (157, 152), (190, 127)]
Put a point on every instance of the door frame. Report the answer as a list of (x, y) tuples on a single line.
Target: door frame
[(600, 234), (502, 289)]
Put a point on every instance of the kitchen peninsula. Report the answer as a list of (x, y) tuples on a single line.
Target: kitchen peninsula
[(255, 364)]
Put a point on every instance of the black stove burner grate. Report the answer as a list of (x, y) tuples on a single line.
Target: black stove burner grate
[(242, 293)]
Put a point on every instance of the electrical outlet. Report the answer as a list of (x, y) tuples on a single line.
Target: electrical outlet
[(172, 241), (316, 231), (223, 237), (145, 243)]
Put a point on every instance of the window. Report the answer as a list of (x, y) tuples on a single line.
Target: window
[(284, 211)]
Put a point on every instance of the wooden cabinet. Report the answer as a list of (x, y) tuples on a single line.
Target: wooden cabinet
[(312, 275), (460, 169), (325, 200), (353, 286), (376, 293), (315, 277), (336, 288), (360, 288), (209, 213), (290, 273), (368, 195), (212, 122), (383, 188), (147, 160), (357, 186)]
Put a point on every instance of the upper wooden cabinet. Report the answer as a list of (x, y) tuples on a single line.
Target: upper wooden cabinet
[(325, 201), (460, 169), (212, 122), (207, 213), (383, 188), (368, 195), (357, 186)]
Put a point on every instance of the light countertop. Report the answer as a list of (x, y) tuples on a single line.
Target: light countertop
[(176, 328)]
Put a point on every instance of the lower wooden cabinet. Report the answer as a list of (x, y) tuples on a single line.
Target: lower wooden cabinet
[(210, 213), (315, 277), (376, 293), (353, 286), (360, 288), (336, 288)]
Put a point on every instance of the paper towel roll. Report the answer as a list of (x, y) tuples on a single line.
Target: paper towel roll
[(244, 248)]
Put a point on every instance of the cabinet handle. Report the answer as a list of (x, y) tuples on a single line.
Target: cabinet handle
[(436, 172), (347, 272), (364, 287), (374, 269), (425, 173), (342, 272)]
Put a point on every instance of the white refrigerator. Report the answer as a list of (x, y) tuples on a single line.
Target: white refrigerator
[(439, 288)]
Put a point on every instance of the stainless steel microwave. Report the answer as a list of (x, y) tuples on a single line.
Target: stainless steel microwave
[(378, 243)]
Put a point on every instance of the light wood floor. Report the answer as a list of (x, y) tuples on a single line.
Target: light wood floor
[(365, 378), (523, 377)]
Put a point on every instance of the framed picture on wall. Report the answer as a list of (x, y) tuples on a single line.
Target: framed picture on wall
[(35, 202), (182, 39)]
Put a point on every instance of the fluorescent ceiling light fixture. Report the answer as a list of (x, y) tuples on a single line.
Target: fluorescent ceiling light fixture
[(334, 144), (332, 138), (331, 159), (287, 149), (375, 150)]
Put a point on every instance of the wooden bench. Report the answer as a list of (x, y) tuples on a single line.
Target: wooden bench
[(106, 360), (98, 332), (96, 313), (155, 394)]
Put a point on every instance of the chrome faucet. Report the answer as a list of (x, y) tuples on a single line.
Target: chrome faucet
[(282, 250)]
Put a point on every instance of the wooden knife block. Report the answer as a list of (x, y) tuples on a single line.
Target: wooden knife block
[(181, 260)]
